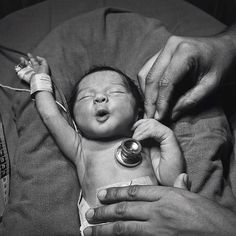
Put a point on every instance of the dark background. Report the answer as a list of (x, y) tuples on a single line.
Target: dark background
[(223, 10)]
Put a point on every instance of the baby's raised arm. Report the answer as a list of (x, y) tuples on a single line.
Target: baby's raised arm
[(65, 136), (167, 158)]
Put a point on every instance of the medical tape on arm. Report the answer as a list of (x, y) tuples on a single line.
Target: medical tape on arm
[(40, 82), (25, 73)]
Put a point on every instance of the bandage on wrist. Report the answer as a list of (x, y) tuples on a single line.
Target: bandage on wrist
[(40, 82), (25, 73)]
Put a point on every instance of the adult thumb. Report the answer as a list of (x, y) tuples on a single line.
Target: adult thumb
[(182, 181)]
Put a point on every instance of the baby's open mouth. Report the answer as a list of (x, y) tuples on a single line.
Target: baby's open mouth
[(102, 115)]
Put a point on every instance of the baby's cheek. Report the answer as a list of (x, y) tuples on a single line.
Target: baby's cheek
[(81, 110)]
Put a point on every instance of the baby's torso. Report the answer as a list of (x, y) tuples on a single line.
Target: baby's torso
[(97, 167)]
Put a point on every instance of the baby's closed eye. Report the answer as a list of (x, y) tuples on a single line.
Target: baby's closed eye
[(85, 96), (116, 91)]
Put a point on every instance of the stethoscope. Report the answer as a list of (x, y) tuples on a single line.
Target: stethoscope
[(128, 154)]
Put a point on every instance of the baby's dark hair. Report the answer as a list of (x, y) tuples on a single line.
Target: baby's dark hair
[(130, 85)]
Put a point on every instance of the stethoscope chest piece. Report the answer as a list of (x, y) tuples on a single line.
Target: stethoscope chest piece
[(128, 153)]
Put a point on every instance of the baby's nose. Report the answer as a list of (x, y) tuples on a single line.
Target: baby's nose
[(100, 98)]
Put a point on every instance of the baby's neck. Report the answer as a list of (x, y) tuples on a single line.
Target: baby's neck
[(101, 144)]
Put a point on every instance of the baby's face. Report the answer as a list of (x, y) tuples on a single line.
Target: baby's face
[(104, 107)]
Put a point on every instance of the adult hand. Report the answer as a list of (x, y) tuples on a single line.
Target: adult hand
[(157, 210), (203, 60)]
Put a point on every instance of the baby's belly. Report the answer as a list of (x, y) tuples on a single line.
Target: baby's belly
[(106, 171)]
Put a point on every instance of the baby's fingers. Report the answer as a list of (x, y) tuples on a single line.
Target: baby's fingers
[(33, 61), (142, 132), (141, 135), (42, 61), (23, 61), (138, 123)]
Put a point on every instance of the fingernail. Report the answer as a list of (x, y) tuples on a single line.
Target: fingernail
[(187, 181), (156, 115), (102, 194), (90, 213), (185, 178), (88, 231), (175, 115)]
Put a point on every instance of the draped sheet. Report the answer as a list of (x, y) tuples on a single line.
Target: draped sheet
[(44, 186)]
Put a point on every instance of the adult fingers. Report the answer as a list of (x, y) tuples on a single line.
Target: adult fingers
[(182, 181), (145, 70), (183, 61), (119, 211), (132, 193), (122, 228), (155, 74), (194, 96), (152, 80)]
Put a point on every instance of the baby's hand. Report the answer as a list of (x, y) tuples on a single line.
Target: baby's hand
[(151, 128), (168, 162), (31, 67), (38, 64)]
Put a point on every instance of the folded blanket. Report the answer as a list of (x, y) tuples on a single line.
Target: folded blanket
[(44, 187)]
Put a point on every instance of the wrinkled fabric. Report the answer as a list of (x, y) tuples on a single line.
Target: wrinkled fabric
[(44, 185)]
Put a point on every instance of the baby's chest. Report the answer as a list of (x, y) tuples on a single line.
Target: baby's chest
[(101, 161), (103, 168)]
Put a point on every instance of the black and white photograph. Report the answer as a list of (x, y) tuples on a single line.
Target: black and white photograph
[(117, 117)]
